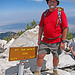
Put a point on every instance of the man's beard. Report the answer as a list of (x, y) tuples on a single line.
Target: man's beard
[(51, 6)]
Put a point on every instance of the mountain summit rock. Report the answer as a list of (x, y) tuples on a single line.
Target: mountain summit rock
[(29, 39)]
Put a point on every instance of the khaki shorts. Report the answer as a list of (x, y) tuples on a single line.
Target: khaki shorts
[(47, 48)]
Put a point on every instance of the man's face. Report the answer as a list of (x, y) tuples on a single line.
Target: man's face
[(52, 3)]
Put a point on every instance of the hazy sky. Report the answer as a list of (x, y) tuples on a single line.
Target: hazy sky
[(18, 11)]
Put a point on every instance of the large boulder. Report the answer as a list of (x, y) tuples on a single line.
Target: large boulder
[(29, 38)]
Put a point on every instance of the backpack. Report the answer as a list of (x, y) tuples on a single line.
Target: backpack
[(59, 15)]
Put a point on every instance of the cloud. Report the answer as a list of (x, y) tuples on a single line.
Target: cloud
[(68, 0), (59, 0), (38, 0), (72, 28), (70, 12)]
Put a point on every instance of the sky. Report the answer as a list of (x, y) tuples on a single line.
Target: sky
[(24, 11)]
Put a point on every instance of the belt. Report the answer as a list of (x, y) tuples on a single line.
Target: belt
[(53, 38)]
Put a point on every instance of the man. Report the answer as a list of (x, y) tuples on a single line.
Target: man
[(52, 32), (72, 48)]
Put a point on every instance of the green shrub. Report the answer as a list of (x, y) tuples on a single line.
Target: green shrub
[(8, 39), (69, 34), (19, 33)]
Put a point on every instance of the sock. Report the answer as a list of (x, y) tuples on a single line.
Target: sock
[(55, 68), (38, 68)]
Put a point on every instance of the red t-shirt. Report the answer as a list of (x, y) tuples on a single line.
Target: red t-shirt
[(50, 30)]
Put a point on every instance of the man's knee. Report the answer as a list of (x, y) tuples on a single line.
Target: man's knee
[(41, 56), (55, 57)]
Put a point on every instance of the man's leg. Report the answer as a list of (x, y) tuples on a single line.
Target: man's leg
[(55, 61), (55, 48), (40, 61), (55, 64)]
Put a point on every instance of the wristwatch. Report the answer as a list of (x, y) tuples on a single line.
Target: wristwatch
[(63, 41)]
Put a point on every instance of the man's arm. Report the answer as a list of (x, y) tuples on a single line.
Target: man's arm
[(64, 35), (72, 50), (40, 34)]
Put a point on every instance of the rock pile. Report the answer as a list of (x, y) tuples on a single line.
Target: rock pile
[(30, 38)]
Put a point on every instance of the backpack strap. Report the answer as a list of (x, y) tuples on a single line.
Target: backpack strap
[(59, 15), (45, 13)]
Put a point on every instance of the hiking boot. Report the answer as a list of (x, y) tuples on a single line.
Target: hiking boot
[(37, 73), (55, 72)]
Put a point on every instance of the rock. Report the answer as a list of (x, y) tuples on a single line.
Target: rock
[(8, 68), (2, 43), (2, 50), (29, 38), (7, 47), (9, 43), (27, 71), (72, 73), (3, 55), (66, 60), (60, 72)]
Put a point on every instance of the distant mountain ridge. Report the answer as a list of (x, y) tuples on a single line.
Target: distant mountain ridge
[(9, 34), (14, 27)]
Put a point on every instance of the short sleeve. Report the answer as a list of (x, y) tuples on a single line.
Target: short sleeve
[(42, 21), (64, 19)]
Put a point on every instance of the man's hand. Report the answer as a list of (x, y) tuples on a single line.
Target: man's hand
[(62, 45), (39, 41), (40, 35)]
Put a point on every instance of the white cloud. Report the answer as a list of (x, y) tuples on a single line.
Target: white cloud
[(68, 0), (59, 0), (70, 12), (72, 28), (38, 0)]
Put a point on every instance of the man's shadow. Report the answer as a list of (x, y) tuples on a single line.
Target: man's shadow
[(30, 63)]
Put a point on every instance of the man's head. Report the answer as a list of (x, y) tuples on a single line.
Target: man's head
[(56, 0), (52, 3)]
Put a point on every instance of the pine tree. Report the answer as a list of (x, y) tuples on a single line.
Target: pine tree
[(19, 33), (27, 27), (69, 34), (33, 24)]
